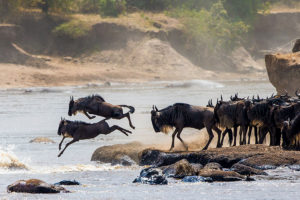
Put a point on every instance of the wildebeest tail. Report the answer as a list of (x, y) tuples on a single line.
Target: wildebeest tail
[(131, 108)]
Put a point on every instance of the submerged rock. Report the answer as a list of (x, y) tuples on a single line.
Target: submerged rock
[(67, 182), (151, 176), (219, 175), (194, 179), (41, 140), (34, 186), (246, 170)]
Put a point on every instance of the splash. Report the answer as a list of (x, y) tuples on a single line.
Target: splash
[(9, 161)]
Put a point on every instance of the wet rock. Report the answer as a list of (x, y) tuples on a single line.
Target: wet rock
[(194, 179), (123, 160), (219, 175), (34, 186), (41, 140), (151, 176), (213, 165), (67, 182), (246, 170), (183, 168), (119, 154), (267, 161), (294, 167)]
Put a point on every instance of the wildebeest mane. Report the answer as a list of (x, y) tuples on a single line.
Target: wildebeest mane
[(83, 102), (72, 126), (169, 114)]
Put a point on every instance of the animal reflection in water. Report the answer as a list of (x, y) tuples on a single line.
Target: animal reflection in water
[(96, 105), (182, 115), (80, 131)]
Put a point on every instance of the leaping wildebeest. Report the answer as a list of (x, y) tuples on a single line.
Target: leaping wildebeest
[(96, 105), (182, 115), (80, 131)]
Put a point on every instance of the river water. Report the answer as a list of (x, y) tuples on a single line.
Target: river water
[(34, 112)]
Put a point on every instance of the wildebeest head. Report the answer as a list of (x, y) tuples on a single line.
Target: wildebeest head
[(62, 126), (158, 122), (71, 106)]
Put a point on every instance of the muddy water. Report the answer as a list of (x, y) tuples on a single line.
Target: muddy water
[(30, 113)]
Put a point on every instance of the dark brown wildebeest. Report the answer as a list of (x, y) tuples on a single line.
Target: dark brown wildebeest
[(96, 105), (80, 131), (229, 115), (182, 115), (291, 134)]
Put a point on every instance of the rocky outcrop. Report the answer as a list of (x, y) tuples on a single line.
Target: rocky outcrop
[(256, 156), (34, 186), (284, 72)]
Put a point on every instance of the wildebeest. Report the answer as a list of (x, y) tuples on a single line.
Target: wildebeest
[(291, 134), (182, 115), (96, 105), (80, 130)]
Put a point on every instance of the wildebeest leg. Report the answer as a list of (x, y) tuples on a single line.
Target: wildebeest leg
[(173, 138), (59, 146), (244, 129), (178, 136), (88, 116), (223, 135), (115, 127), (234, 135), (241, 133), (211, 136), (249, 134), (218, 131), (255, 134), (263, 133), (128, 117), (74, 140)]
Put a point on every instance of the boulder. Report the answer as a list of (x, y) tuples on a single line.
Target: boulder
[(123, 154), (296, 47), (151, 176), (34, 186), (181, 169), (246, 170), (213, 165), (41, 140), (284, 70)]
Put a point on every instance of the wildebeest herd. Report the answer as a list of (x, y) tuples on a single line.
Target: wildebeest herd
[(278, 116)]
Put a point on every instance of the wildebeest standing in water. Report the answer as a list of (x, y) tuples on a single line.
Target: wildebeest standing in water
[(96, 105), (80, 130), (182, 115)]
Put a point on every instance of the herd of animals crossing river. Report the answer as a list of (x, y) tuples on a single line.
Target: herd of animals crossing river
[(277, 115)]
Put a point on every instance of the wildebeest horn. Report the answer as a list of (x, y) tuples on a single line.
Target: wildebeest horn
[(156, 109), (231, 98), (221, 98), (296, 93)]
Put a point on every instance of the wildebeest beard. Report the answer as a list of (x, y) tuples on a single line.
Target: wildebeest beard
[(165, 119)]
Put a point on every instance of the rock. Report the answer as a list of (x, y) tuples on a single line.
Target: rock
[(213, 165), (284, 72), (256, 156), (151, 176), (194, 179), (294, 167), (183, 168), (34, 186), (123, 160), (67, 182), (126, 154), (296, 47), (219, 175), (41, 140), (246, 170), (157, 25)]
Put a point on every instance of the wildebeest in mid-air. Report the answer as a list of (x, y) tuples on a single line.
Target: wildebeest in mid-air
[(96, 105), (182, 115), (80, 130)]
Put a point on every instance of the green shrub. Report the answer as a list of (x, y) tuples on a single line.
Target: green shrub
[(112, 7), (72, 29)]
